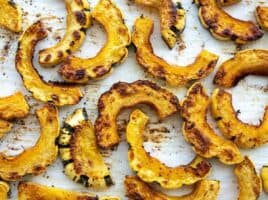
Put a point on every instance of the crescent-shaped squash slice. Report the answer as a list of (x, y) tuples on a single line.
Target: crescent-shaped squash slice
[(172, 18), (150, 169), (159, 68), (10, 15), (34, 160), (262, 17), (203, 190), (123, 95), (228, 2), (4, 189), (247, 62), (79, 152), (264, 177), (78, 20), (48, 92), (80, 70), (250, 186), (243, 134), (225, 27), (198, 132)]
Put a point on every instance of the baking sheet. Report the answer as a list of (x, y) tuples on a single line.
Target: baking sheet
[(250, 96)]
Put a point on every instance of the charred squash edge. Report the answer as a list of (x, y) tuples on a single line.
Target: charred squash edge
[(228, 2)]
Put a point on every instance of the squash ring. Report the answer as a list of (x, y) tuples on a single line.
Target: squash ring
[(262, 17), (198, 132), (225, 27), (78, 20), (159, 68), (150, 169), (79, 70), (137, 189), (47, 92), (264, 177), (4, 189), (36, 159), (122, 95), (79, 152)]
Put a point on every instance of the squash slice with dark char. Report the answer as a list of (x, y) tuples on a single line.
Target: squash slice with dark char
[(79, 152), (4, 189), (243, 134), (35, 159), (58, 94), (203, 190), (123, 95), (158, 67), (79, 70), (262, 17), (150, 169), (198, 132), (78, 20), (228, 2), (225, 27)]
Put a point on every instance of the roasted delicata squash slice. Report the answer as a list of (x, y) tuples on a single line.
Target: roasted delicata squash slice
[(198, 132), (262, 17), (124, 95), (78, 20), (243, 134), (60, 95), (250, 186), (228, 2), (264, 177), (79, 152), (150, 169), (10, 15), (81, 70), (203, 190), (4, 189), (247, 62), (225, 27), (159, 68), (172, 18), (34, 160)]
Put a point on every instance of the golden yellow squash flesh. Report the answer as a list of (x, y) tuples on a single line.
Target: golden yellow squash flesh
[(58, 94), (199, 133), (150, 169), (78, 20), (159, 68), (123, 95), (79, 70), (5, 127), (264, 177), (203, 190), (4, 189), (262, 17)]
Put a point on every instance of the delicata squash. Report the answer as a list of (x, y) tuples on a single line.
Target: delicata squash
[(4, 189), (225, 27), (79, 70), (262, 17), (159, 68), (203, 190), (79, 152), (172, 18), (78, 20), (35, 159), (243, 134), (60, 95), (264, 177), (198, 132), (150, 169), (247, 62), (10, 15), (124, 95)]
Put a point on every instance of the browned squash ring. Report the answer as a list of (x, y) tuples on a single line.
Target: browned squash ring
[(4, 189), (262, 17), (79, 70), (158, 67), (78, 20), (137, 189), (198, 132), (122, 95), (225, 27), (60, 95)]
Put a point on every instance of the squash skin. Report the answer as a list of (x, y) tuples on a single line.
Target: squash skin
[(150, 169), (199, 133), (225, 27), (264, 177), (157, 67), (137, 189), (10, 16), (123, 95), (35, 159), (79, 70), (4, 189), (262, 17), (56, 93), (79, 152), (78, 20), (243, 134)]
